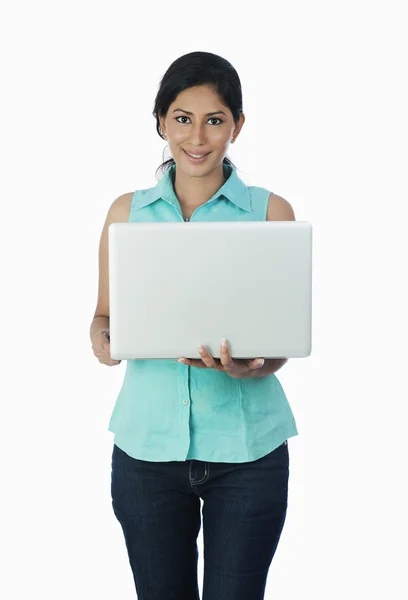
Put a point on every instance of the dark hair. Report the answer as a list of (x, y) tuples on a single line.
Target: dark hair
[(198, 68)]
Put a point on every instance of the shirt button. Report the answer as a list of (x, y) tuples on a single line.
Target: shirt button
[(186, 401)]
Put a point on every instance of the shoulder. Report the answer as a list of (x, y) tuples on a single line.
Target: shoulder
[(279, 209), (123, 201), (120, 207)]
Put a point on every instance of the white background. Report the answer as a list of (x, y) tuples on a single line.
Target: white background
[(324, 91)]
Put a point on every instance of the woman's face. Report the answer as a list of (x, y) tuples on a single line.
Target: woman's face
[(198, 132)]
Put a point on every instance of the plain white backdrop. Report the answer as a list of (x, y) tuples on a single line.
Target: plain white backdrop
[(325, 97)]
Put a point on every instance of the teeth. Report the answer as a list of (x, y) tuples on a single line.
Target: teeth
[(195, 155)]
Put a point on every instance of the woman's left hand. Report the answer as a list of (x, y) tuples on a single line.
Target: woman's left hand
[(237, 368)]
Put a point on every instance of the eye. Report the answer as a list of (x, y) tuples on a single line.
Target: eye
[(210, 119)]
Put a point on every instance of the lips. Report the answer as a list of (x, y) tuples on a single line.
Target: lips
[(201, 155)]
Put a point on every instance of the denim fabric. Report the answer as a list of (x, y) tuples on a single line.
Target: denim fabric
[(158, 507)]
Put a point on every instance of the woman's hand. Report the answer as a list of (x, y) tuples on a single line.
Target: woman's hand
[(237, 368), (101, 348)]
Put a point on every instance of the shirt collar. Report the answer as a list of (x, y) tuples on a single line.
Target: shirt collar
[(234, 189)]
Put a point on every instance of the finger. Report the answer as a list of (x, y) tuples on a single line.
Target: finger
[(190, 362), (257, 363), (226, 359), (207, 359)]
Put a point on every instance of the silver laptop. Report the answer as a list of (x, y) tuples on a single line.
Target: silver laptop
[(173, 286)]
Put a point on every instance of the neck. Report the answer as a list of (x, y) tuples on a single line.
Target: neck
[(192, 192)]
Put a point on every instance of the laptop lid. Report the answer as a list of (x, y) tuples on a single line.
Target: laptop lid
[(173, 286)]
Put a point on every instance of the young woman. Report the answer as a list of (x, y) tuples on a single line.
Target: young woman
[(214, 429)]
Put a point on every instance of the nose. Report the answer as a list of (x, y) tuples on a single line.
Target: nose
[(197, 135)]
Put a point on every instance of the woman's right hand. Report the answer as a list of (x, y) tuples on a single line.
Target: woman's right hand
[(101, 348)]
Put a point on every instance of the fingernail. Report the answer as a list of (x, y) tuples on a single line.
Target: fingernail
[(260, 362), (223, 342), (181, 360)]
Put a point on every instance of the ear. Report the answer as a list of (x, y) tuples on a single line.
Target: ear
[(161, 122), (239, 126)]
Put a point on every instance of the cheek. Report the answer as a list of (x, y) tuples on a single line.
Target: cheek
[(220, 138), (177, 135), (215, 137)]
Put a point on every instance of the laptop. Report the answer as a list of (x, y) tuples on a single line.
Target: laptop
[(173, 286)]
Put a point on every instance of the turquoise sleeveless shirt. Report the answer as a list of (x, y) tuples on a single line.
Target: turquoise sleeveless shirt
[(167, 411)]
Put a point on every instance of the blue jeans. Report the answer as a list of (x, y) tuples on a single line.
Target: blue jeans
[(244, 510)]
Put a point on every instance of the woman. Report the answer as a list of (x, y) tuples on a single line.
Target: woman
[(190, 429)]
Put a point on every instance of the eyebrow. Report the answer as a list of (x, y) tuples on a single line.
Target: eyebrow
[(217, 112)]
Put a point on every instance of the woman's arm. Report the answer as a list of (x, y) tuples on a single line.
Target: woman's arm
[(117, 213), (279, 209)]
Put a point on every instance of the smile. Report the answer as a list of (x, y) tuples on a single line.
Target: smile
[(196, 158)]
